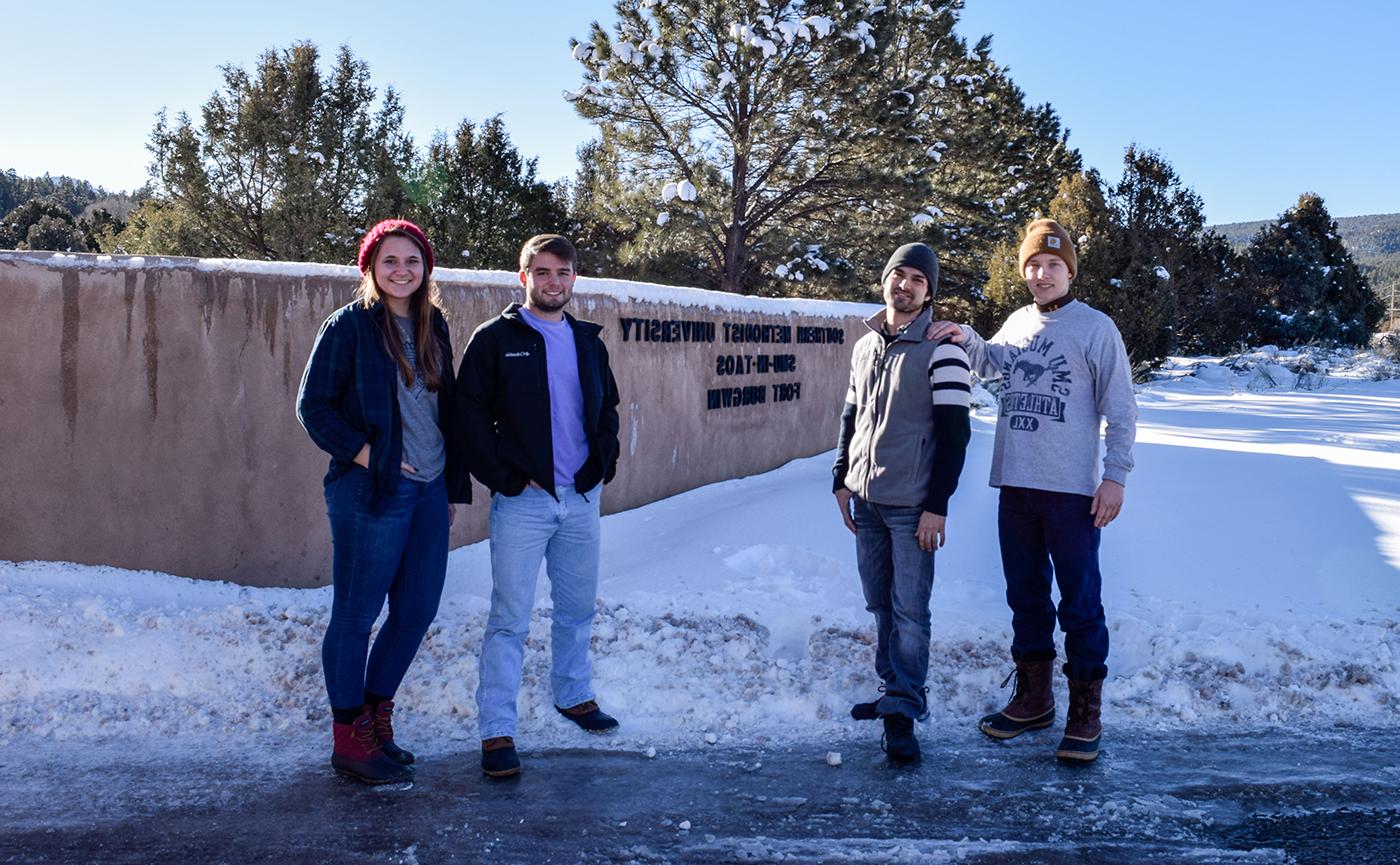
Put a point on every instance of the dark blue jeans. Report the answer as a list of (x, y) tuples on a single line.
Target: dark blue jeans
[(401, 556), (897, 578), (1039, 528)]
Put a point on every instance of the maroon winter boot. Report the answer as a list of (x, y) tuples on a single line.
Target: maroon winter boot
[(1032, 704), (384, 731), (1082, 727), (358, 754)]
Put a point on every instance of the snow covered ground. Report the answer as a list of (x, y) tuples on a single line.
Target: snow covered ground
[(1253, 579)]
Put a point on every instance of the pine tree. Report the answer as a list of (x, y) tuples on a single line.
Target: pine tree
[(44, 223), (285, 163), (779, 146), (1309, 287), (1079, 206), (1159, 218), (1215, 304), (479, 198)]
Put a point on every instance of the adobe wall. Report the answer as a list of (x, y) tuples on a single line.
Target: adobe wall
[(147, 405)]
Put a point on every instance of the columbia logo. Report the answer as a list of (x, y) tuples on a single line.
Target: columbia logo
[(517, 354), (1053, 242)]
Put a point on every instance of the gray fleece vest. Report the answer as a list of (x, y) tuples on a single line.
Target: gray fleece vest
[(891, 451)]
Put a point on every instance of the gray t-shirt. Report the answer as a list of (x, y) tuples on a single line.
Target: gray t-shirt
[(1062, 374), (423, 446)]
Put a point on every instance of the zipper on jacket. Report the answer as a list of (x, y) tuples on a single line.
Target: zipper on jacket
[(881, 358)]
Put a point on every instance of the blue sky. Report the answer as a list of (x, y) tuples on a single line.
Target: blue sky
[(1253, 102)]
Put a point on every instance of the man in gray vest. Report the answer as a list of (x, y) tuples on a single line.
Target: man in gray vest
[(904, 433)]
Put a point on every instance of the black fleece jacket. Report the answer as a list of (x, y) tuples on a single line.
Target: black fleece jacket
[(503, 406)]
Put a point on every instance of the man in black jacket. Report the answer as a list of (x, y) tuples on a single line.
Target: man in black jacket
[(538, 408)]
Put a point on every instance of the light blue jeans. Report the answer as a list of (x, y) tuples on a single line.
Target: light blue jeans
[(526, 529)]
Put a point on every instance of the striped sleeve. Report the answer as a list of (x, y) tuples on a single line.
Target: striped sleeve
[(950, 381), (950, 376)]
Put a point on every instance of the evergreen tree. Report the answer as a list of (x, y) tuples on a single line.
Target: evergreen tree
[(595, 222), (1079, 205), (1309, 287), (764, 146), (68, 193), (1215, 304), (285, 163), (102, 229), (479, 198), (44, 223), (163, 227)]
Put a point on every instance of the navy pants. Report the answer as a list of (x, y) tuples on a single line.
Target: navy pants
[(400, 556), (1045, 534), (897, 579)]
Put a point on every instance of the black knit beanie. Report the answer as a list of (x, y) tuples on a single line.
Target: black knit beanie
[(919, 256)]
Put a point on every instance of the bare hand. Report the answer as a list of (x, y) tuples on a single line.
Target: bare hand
[(939, 329), (362, 458), (843, 501), (408, 468), (1108, 501), (451, 514), (932, 532), (535, 485)]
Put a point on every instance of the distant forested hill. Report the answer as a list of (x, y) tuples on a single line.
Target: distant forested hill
[(1374, 241)]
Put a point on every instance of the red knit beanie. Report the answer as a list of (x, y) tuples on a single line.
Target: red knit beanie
[(394, 226)]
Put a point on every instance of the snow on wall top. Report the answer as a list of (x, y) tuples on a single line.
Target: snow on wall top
[(621, 290)]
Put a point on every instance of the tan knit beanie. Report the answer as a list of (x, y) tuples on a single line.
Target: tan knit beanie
[(1047, 235)]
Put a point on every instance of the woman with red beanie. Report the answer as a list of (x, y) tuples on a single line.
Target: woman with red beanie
[(377, 396)]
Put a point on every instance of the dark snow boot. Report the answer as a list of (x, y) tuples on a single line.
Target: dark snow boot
[(899, 743), (384, 730), (589, 717), (868, 711), (1032, 704), (1082, 727), (498, 757), (358, 755)]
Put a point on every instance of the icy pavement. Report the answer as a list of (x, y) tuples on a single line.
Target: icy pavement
[(1273, 796)]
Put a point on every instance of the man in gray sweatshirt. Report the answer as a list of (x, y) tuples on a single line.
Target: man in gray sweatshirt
[(1063, 371), (904, 433)]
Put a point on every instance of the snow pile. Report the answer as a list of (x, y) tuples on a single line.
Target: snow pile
[(1306, 367), (1253, 579)]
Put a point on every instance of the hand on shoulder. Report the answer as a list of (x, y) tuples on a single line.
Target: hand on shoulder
[(940, 329)]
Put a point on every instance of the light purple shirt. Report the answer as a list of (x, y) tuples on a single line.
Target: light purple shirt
[(565, 397)]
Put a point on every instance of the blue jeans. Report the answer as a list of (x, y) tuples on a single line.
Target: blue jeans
[(401, 556), (1039, 528), (526, 529), (897, 578)]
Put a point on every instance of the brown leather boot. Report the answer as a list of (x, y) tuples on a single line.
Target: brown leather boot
[(358, 755), (1082, 727), (1032, 704)]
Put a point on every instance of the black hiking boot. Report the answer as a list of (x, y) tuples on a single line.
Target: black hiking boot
[(899, 743), (868, 711)]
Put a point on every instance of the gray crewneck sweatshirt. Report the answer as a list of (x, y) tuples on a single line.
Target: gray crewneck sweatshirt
[(1062, 373)]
